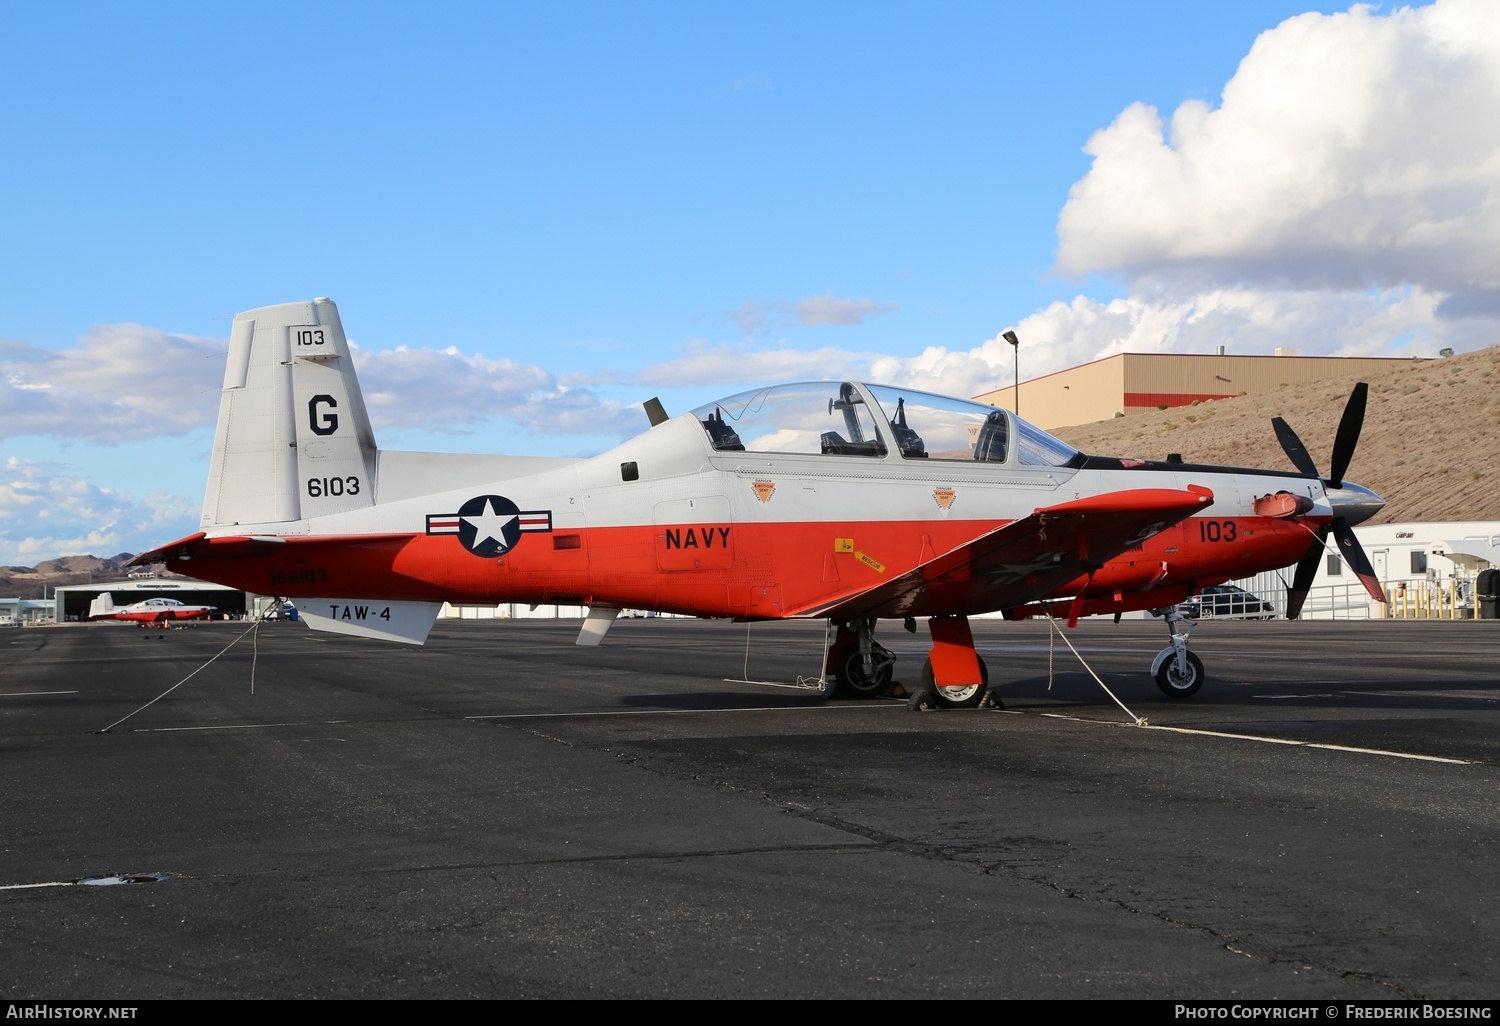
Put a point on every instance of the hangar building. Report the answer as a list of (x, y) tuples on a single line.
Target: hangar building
[(1131, 382)]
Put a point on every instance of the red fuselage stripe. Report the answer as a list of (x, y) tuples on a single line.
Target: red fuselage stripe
[(739, 570)]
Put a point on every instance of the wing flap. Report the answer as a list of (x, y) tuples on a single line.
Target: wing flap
[(1025, 560)]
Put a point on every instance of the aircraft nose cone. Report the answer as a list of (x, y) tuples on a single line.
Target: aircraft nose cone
[(1355, 503)]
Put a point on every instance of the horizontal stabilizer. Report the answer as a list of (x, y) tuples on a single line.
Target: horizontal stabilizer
[(234, 546), (407, 622)]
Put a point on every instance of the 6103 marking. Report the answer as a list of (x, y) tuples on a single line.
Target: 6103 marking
[(317, 487)]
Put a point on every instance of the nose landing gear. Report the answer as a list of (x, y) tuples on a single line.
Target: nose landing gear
[(1178, 672)]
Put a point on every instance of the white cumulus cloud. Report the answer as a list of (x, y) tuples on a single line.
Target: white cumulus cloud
[(704, 363), (826, 309), (126, 382), (121, 382), (45, 510), (446, 390), (1350, 151), (1390, 322)]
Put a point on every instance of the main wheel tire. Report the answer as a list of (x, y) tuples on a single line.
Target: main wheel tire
[(854, 682), (1177, 685), (967, 696)]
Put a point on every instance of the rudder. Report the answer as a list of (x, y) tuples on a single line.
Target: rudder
[(293, 439)]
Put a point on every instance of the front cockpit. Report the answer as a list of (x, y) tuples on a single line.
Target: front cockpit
[(877, 422)]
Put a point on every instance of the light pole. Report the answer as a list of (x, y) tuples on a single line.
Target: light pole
[(1015, 348)]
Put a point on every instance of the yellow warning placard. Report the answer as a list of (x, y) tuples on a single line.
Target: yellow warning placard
[(871, 562)]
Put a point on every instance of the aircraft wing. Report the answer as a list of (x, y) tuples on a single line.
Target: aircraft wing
[(1027, 559)]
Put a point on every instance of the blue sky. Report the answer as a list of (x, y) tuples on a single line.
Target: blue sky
[(535, 216)]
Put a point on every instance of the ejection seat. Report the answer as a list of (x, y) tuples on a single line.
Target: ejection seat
[(721, 435)]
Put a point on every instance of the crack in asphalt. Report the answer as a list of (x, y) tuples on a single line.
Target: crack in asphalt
[(882, 840)]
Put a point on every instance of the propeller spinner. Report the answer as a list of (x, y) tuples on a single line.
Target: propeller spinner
[(1352, 504)]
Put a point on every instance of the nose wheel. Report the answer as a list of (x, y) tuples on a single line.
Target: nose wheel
[(1180, 683), (1178, 672)]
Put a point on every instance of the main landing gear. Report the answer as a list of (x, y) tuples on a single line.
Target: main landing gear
[(862, 667), (953, 675), (956, 696), (1178, 672)]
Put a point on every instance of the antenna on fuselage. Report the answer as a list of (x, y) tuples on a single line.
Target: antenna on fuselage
[(656, 413)]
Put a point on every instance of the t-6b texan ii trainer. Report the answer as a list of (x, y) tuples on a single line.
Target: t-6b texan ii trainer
[(148, 611), (830, 500)]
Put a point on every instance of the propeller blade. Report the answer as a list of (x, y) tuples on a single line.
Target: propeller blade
[(1348, 435), (1295, 450), (1355, 556), (1307, 569)]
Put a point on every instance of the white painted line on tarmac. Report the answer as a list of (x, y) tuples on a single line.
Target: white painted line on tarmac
[(29, 694), (1471, 696), (23, 887), (849, 707), (235, 726), (1290, 742), (1393, 755), (1319, 695)]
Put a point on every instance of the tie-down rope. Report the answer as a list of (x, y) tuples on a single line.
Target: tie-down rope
[(253, 627), (1140, 721), (817, 683)]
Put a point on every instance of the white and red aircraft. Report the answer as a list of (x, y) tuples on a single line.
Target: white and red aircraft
[(831, 500), (148, 611)]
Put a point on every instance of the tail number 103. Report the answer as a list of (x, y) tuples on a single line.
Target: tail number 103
[(317, 487), (1217, 531)]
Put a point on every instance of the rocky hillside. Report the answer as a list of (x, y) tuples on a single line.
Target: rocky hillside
[(28, 581), (1430, 446)]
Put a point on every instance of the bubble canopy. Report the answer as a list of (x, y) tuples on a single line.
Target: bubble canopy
[(849, 419)]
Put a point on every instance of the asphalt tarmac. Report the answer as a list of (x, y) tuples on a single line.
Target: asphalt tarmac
[(503, 815)]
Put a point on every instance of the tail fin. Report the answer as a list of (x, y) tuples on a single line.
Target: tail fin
[(294, 440), (102, 605)]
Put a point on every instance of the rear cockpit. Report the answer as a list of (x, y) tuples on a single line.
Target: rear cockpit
[(830, 418)]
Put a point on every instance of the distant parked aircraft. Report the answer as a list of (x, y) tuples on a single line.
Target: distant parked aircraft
[(152, 610)]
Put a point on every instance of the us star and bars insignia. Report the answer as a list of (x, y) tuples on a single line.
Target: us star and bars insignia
[(489, 525)]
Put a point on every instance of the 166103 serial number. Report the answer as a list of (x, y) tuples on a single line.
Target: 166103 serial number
[(312, 575)]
